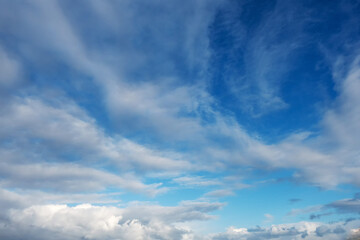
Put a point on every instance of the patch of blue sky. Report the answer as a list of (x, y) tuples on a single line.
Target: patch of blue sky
[(305, 85), (249, 206)]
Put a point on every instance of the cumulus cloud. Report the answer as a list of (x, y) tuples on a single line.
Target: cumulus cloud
[(136, 221), (301, 230), (87, 221)]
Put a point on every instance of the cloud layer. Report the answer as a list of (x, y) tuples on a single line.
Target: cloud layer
[(104, 102)]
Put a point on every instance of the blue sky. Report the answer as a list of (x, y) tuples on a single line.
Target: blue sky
[(201, 119)]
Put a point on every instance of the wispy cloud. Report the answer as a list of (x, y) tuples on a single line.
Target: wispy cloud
[(99, 98), (178, 114), (220, 193)]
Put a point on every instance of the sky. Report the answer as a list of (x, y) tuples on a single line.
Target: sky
[(189, 120)]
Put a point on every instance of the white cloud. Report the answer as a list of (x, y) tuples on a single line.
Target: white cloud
[(103, 222), (160, 105), (44, 135), (143, 221), (219, 193), (67, 128), (196, 181), (40, 135), (300, 230), (326, 159), (168, 111), (269, 217), (156, 105), (69, 178)]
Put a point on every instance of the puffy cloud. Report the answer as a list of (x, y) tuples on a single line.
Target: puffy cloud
[(322, 231), (301, 230), (140, 221), (285, 231), (103, 222), (355, 234)]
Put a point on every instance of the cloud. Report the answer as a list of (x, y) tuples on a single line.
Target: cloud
[(21, 199), (355, 234), (322, 231), (98, 100), (219, 193), (167, 112), (139, 221), (67, 129), (345, 205), (285, 231), (250, 59), (155, 105), (68, 178), (196, 181), (300, 230), (45, 135), (269, 217), (186, 211), (294, 200), (87, 221), (10, 70), (317, 216), (317, 158), (309, 209)]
